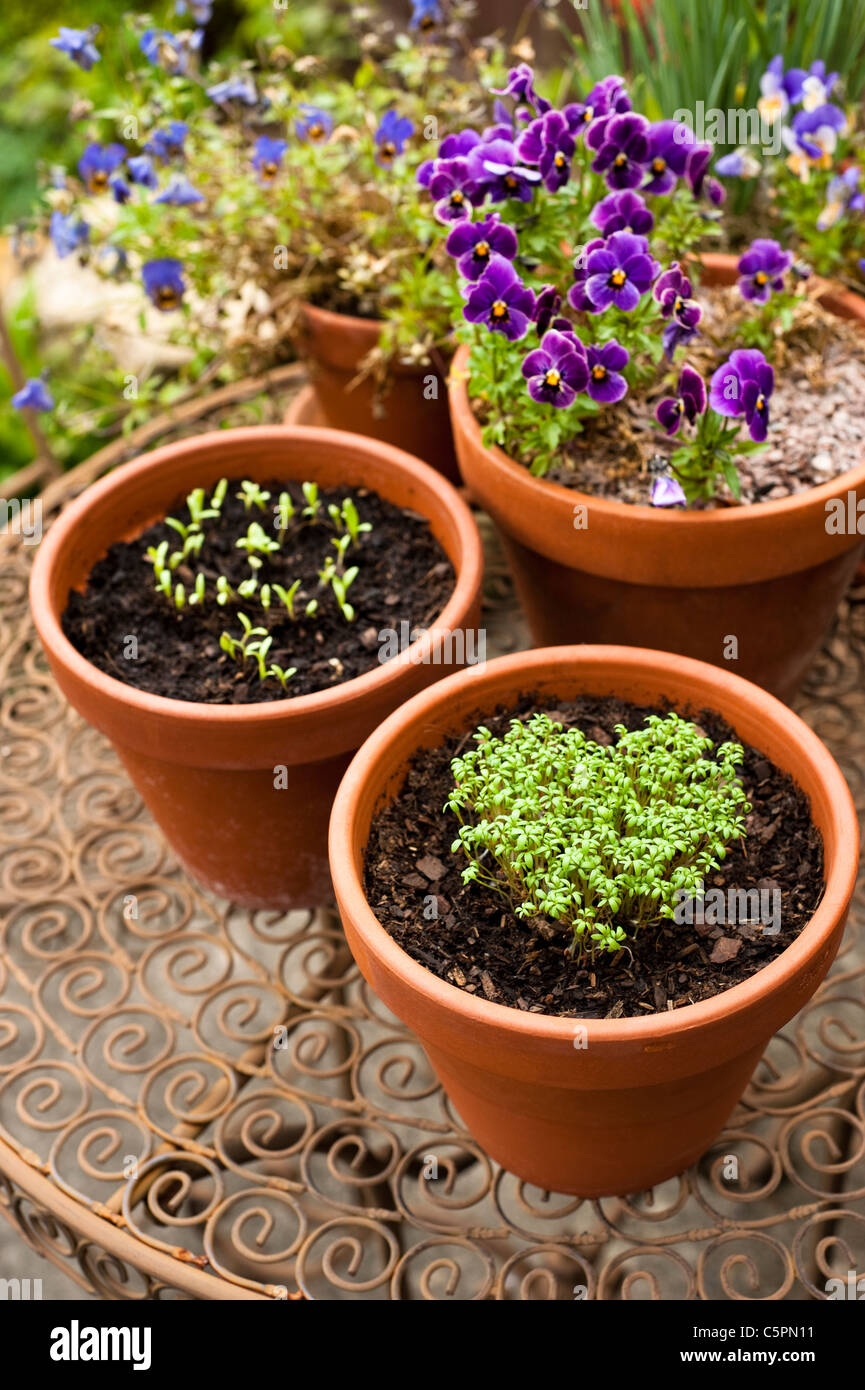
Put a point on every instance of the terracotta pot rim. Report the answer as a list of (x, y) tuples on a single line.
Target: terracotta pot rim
[(841, 872), (332, 318), (657, 516), (198, 713)]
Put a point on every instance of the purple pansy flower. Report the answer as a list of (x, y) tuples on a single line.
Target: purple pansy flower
[(163, 282), (606, 383), (607, 98), (815, 133), (739, 164), (664, 161), (78, 45), (313, 124), (240, 89), (98, 163), (667, 492), (577, 296), (391, 136), (452, 147), (548, 143), (521, 86), (164, 144), (67, 233), (120, 189), (673, 293), (452, 186), (34, 395), (141, 170), (548, 302), (743, 386), (762, 269), (267, 156), (622, 212), (473, 245), (557, 371), (501, 301), (622, 149), (498, 172), (179, 193), (688, 402), (620, 272), (842, 195)]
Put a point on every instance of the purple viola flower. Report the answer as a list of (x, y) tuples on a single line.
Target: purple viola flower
[(391, 136), (164, 144), (501, 301), (548, 143), (141, 170), (557, 371), (267, 157), (621, 146), (165, 50), (815, 133), (179, 193), (313, 124), (664, 159), (498, 172), (78, 45), (743, 386), (503, 127), (67, 233), (426, 15), (457, 146), (842, 195), (120, 189), (739, 164), (98, 163), (762, 269), (452, 186), (521, 86), (607, 98), (817, 86), (673, 293), (667, 492), (473, 245), (622, 212), (577, 296), (34, 395), (688, 402), (548, 302), (240, 89), (862, 266), (163, 282), (620, 272), (775, 90), (606, 383)]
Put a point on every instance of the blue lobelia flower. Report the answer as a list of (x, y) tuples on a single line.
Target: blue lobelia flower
[(391, 136), (267, 157), (164, 144), (67, 233), (141, 170), (743, 386), (240, 89), (688, 402), (164, 283), (79, 45), (165, 50), (557, 371), (179, 193), (98, 163), (501, 301), (426, 15), (314, 124), (34, 395)]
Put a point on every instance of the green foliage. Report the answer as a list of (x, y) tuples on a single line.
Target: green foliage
[(601, 839)]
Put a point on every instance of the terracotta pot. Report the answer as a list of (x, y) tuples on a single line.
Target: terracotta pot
[(644, 1097), (768, 575), (335, 345), (207, 772)]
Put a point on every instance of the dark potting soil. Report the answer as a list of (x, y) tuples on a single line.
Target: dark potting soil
[(477, 943), (404, 577)]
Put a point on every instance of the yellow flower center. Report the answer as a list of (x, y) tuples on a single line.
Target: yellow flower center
[(599, 372), (677, 307), (559, 161), (167, 298), (98, 181), (761, 277), (510, 181), (315, 132), (388, 150), (588, 114), (553, 377), (761, 403), (269, 170), (482, 250), (619, 160), (618, 278), (500, 309), (456, 197), (659, 165)]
